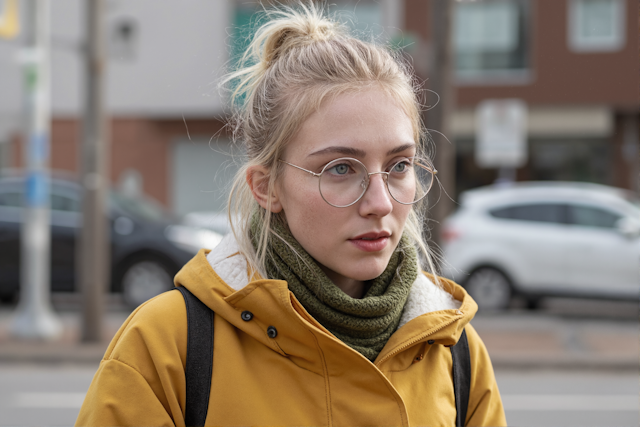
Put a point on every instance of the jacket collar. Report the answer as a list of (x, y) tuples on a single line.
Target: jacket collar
[(219, 278), (424, 297)]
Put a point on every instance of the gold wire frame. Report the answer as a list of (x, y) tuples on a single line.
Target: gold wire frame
[(420, 162)]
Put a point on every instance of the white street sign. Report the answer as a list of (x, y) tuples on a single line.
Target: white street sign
[(501, 133)]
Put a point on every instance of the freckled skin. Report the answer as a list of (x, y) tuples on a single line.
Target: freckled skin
[(370, 121)]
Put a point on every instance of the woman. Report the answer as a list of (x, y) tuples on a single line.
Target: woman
[(322, 313)]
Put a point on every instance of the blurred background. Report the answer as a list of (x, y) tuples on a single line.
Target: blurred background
[(532, 107)]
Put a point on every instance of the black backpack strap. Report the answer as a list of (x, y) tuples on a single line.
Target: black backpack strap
[(461, 377), (199, 359)]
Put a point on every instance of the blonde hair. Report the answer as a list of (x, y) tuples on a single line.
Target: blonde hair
[(297, 59)]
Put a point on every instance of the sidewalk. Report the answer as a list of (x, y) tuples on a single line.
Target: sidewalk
[(67, 349), (515, 340), (532, 341)]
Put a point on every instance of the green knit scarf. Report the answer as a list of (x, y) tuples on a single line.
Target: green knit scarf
[(363, 324)]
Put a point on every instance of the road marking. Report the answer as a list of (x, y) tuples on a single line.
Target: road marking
[(48, 400), (570, 402)]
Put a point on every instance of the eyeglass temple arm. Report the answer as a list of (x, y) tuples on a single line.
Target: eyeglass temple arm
[(429, 168), (302, 169)]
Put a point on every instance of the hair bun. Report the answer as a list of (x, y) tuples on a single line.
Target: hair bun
[(289, 29)]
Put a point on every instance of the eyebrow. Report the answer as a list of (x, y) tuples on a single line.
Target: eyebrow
[(349, 151), (401, 148), (356, 152)]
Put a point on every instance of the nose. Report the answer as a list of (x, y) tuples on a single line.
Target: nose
[(376, 200)]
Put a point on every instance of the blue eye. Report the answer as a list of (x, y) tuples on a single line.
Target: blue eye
[(401, 167), (341, 169)]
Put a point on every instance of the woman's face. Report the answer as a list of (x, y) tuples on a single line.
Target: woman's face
[(355, 243)]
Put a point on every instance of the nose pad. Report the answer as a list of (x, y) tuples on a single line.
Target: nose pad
[(384, 183), (364, 183)]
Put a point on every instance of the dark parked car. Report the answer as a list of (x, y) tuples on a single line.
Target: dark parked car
[(148, 246)]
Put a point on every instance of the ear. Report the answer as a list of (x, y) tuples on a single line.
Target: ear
[(258, 180)]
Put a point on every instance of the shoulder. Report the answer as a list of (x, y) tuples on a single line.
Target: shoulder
[(476, 345), (485, 403), (155, 331), (141, 379), (481, 366)]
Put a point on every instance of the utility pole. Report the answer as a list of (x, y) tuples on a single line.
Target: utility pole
[(94, 249), (438, 119), (34, 316)]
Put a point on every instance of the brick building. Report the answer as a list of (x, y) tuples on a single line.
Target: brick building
[(574, 63)]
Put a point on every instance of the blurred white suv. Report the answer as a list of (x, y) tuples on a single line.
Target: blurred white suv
[(540, 239)]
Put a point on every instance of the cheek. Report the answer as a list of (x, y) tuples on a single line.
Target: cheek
[(403, 213), (317, 226), (307, 213)]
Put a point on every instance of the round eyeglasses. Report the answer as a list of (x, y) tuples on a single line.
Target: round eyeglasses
[(342, 182)]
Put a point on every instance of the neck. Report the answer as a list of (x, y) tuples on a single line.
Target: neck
[(353, 288)]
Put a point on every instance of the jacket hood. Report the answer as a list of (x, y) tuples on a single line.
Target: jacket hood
[(219, 278)]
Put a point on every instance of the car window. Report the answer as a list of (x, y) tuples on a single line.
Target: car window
[(64, 203), (11, 199), (539, 212), (141, 207), (588, 216), (58, 202)]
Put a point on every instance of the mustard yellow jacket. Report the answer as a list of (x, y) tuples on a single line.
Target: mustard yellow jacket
[(304, 376)]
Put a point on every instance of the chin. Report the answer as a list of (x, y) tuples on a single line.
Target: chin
[(369, 272)]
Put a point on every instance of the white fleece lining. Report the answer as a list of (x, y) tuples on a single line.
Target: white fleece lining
[(231, 269), (424, 297)]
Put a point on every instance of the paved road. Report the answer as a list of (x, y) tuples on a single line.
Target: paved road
[(51, 396), (42, 395), (567, 399)]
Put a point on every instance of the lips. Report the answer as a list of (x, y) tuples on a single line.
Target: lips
[(371, 242)]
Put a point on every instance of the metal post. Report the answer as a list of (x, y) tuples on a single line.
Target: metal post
[(94, 248), (438, 119), (34, 316), (630, 149)]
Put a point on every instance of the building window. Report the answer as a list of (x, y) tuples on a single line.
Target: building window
[(596, 25), (364, 17), (491, 38)]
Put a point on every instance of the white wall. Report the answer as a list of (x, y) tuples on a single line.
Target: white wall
[(179, 52)]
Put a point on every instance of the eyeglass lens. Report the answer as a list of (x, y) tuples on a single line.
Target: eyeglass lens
[(344, 181)]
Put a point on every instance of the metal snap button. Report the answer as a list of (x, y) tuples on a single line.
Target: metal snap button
[(430, 342), (246, 315), (272, 332)]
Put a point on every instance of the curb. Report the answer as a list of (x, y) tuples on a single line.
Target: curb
[(577, 363), (52, 353)]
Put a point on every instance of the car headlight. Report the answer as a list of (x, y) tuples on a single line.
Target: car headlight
[(192, 239)]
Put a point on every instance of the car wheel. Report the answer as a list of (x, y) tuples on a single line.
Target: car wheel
[(9, 298), (143, 280), (533, 303), (490, 289)]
